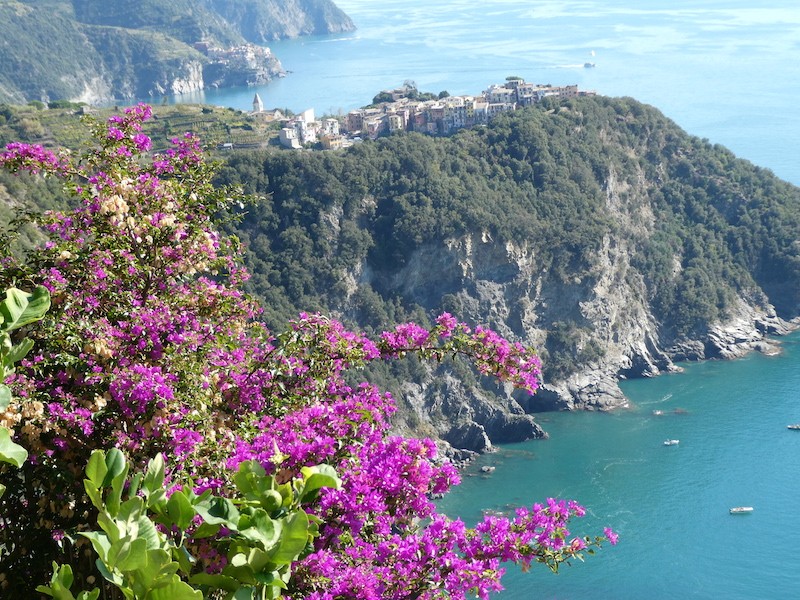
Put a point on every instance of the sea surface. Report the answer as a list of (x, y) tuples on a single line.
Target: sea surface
[(721, 69)]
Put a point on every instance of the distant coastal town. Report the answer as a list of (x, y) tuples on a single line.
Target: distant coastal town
[(405, 109)]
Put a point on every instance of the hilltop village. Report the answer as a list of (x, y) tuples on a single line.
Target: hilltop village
[(405, 109)]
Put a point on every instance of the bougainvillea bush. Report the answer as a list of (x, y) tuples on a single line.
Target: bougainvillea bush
[(176, 448)]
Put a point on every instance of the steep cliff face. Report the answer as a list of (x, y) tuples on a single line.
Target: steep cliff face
[(261, 22), (594, 230)]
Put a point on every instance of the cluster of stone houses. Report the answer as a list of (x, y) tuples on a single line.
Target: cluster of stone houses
[(439, 116), (445, 115)]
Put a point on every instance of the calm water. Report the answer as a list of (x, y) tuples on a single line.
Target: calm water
[(669, 503), (724, 70)]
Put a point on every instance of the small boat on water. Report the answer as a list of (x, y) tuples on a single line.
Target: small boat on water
[(741, 510), (487, 469), (589, 65), (658, 413), (795, 426), (671, 442)]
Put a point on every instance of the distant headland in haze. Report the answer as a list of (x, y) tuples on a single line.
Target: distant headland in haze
[(93, 52)]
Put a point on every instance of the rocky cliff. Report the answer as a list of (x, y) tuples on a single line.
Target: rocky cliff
[(594, 230)]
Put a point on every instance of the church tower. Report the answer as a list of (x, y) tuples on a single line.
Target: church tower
[(258, 106)]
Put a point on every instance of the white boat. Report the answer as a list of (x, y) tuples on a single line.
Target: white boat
[(671, 442), (487, 469), (741, 510), (795, 426)]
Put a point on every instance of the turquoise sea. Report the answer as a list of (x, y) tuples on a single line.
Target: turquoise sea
[(725, 70), (668, 503)]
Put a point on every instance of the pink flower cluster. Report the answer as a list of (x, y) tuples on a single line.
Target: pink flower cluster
[(33, 158)]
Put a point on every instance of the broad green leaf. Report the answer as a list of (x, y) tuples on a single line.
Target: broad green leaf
[(174, 590), (127, 554), (131, 510), (96, 468), (100, 542), (180, 510), (293, 538), (120, 467), (159, 569), (114, 530), (263, 529), (205, 530), (133, 486), (244, 593), (18, 351), (219, 511), (114, 578), (136, 557), (94, 494), (220, 582), (115, 464), (271, 500), (10, 451), (154, 476), (5, 396), (20, 308), (245, 561), (2, 490), (149, 533), (316, 478), (248, 477)]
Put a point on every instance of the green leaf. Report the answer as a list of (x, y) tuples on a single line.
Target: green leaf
[(127, 554), (180, 510), (114, 578), (11, 452), (60, 582), (5, 396), (316, 478), (131, 510), (244, 593), (205, 530), (136, 557), (2, 490), (100, 542), (154, 477), (293, 539), (18, 351), (220, 582), (174, 590), (159, 569), (20, 308), (219, 511), (263, 529), (248, 477), (96, 468), (115, 464), (118, 466), (149, 533), (94, 494)]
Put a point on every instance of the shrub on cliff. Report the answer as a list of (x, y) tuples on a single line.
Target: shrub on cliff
[(176, 448)]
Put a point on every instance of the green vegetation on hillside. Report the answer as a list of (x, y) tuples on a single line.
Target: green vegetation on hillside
[(333, 231), (720, 225)]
